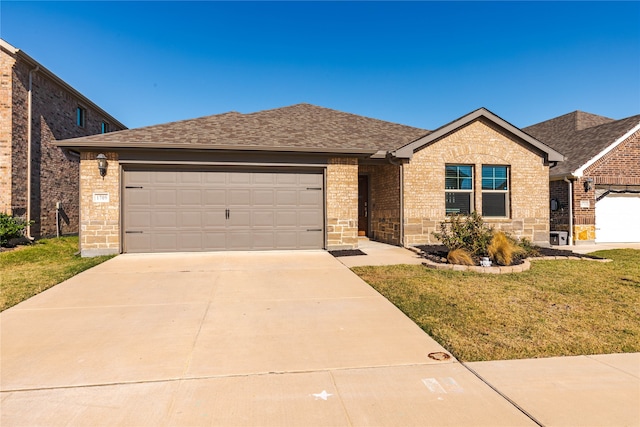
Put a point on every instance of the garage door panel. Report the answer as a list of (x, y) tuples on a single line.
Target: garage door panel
[(138, 220), (310, 239), (164, 241), (214, 218), (263, 219), (310, 198), (310, 219), (165, 177), (264, 197), (215, 197), (617, 218), (239, 197), (183, 210), (166, 197), (161, 219)]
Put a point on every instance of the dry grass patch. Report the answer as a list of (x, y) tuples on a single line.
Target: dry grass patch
[(29, 270), (558, 308)]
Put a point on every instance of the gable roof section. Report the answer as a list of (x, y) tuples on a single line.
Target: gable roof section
[(407, 151), (300, 127), (583, 138)]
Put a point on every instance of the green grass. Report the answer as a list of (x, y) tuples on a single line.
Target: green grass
[(558, 308), (29, 270)]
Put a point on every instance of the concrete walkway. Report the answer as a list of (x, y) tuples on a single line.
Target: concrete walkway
[(269, 339)]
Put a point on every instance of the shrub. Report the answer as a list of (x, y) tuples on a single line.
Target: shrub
[(460, 256), (10, 228), (466, 232)]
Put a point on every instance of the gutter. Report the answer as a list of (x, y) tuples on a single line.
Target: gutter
[(29, 143)]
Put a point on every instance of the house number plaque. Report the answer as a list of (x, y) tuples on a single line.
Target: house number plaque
[(100, 197)]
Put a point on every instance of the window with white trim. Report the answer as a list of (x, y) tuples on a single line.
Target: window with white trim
[(458, 184), (495, 191)]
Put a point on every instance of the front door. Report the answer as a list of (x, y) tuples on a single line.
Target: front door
[(363, 205)]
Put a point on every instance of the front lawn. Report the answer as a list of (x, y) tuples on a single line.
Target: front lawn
[(558, 308), (27, 271)]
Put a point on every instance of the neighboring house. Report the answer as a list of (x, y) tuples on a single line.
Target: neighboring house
[(595, 192), (38, 181), (305, 177)]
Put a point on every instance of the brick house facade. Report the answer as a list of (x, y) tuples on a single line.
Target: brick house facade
[(28, 91), (403, 169), (595, 192)]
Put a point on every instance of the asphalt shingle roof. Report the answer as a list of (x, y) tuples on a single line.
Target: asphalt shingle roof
[(580, 137), (301, 127)]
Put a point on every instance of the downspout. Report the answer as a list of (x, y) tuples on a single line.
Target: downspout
[(570, 242), (29, 139)]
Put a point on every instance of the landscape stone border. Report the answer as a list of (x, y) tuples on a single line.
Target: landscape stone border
[(526, 265)]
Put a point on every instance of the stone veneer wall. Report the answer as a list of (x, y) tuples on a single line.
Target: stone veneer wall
[(342, 203), (476, 144), (384, 202), (99, 221)]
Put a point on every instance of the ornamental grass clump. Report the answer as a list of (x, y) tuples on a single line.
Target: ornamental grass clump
[(502, 249), (460, 256)]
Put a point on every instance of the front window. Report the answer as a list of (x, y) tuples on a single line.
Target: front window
[(495, 191), (458, 189)]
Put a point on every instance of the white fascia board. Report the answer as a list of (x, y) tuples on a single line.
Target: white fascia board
[(580, 172)]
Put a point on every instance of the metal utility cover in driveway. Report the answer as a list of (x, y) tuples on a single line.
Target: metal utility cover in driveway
[(169, 210)]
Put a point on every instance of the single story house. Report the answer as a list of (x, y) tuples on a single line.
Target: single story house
[(305, 177), (595, 192)]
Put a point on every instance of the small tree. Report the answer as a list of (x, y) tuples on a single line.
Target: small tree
[(466, 232)]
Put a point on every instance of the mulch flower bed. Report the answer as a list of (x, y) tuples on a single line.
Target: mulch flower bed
[(438, 253)]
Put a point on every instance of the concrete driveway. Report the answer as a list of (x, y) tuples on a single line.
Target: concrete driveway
[(265, 338)]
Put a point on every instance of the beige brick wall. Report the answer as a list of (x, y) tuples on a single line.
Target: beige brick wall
[(99, 222), (342, 203), (476, 144)]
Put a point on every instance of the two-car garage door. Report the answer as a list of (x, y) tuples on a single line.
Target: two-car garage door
[(207, 210)]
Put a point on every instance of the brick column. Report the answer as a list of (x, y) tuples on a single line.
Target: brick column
[(342, 204), (99, 206)]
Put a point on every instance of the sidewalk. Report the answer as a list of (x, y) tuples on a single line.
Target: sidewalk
[(597, 390)]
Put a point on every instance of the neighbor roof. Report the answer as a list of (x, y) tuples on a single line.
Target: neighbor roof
[(581, 137), (300, 127)]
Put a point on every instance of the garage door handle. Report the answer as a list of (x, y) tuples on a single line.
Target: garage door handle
[(134, 232), (314, 188), (130, 186), (314, 229), (226, 214)]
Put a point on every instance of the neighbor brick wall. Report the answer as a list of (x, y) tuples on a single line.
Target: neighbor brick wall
[(342, 203), (384, 202), (6, 65), (476, 144), (99, 222), (619, 167), (54, 173), (559, 219)]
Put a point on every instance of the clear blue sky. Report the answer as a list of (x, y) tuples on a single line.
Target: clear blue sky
[(418, 63)]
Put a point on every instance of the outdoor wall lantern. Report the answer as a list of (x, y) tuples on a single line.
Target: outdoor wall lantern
[(102, 164), (588, 184)]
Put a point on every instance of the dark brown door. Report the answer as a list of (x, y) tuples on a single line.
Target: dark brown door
[(363, 205)]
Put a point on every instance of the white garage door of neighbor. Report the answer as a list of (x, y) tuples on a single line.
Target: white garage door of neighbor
[(618, 218), (196, 210)]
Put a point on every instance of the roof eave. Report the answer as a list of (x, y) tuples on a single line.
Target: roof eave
[(88, 146)]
